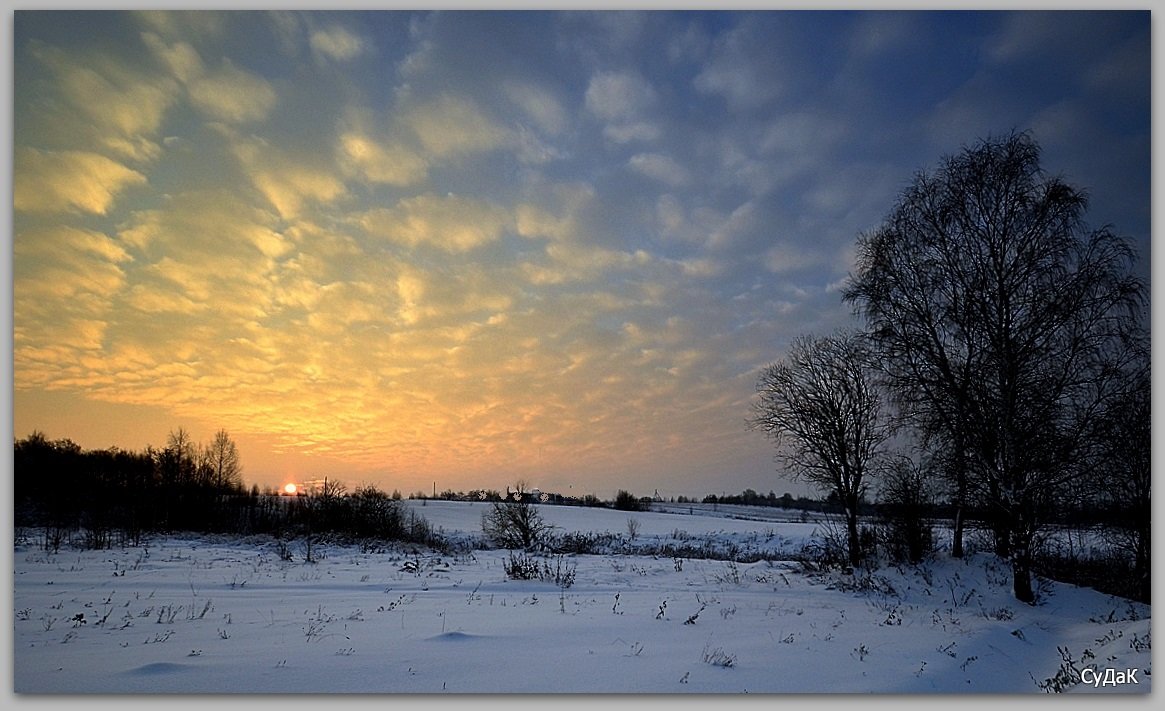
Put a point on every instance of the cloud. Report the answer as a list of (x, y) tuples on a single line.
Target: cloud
[(539, 106), (229, 269), (185, 23), (287, 177), (787, 258), (629, 132), (66, 267), (553, 211), (111, 104), (450, 126), (50, 181), (745, 64), (733, 228), (63, 352), (71, 245), (670, 214), (232, 94), (1029, 34), (623, 100), (181, 58), (660, 167), (701, 267), (391, 163), (336, 43), (227, 93), (573, 262), (66, 284), (289, 186), (449, 223), (285, 26), (151, 300), (613, 31), (619, 96)]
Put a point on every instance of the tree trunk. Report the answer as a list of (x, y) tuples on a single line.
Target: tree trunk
[(1002, 529), (960, 502), (1022, 578), (957, 536), (1143, 566), (1021, 562), (855, 545)]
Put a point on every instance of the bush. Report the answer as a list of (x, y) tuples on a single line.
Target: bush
[(906, 534), (626, 501), (827, 550), (514, 524)]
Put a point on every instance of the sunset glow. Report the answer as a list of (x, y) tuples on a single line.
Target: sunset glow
[(454, 250), (289, 489)]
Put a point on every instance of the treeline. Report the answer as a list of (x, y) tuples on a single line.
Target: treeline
[(749, 497), (113, 497)]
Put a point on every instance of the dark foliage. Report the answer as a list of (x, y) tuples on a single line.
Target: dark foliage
[(626, 501), (105, 498)]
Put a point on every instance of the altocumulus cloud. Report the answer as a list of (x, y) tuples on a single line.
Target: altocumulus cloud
[(394, 247)]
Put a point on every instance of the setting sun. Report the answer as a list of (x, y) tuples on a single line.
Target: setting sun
[(289, 489)]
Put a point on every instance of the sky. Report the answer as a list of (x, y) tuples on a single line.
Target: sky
[(454, 250)]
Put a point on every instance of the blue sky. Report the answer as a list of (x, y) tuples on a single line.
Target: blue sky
[(458, 247)]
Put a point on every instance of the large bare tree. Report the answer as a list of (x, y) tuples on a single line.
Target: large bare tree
[(821, 408), (995, 312)]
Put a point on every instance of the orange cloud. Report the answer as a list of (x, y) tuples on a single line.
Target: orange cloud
[(58, 181)]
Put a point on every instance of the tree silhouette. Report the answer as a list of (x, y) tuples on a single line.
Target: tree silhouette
[(223, 462), (996, 314), (1123, 458), (821, 408), (514, 522)]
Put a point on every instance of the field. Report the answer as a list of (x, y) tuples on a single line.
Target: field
[(197, 614)]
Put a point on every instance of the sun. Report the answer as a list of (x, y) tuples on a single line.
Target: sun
[(289, 489)]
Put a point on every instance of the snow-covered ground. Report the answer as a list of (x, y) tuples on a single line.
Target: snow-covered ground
[(199, 614)]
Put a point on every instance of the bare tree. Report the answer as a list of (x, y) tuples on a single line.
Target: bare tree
[(222, 459), (994, 309), (821, 408), (1123, 456), (179, 458), (514, 522)]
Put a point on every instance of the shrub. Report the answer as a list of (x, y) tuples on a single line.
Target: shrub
[(906, 534), (523, 567), (626, 501), (827, 550), (593, 543), (632, 529), (718, 657), (514, 524)]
